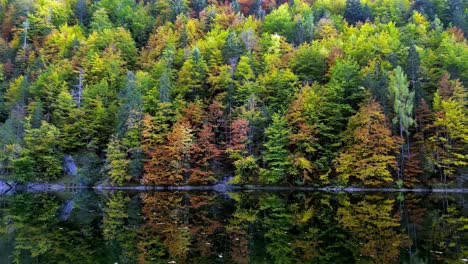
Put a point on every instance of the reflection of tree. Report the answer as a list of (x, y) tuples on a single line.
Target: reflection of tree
[(319, 238), (39, 235), (273, 228), (179, 226), (259, 227), (412, 217), (240, 226), (373, 225), (447, 236), (117, 230), (277, 225)]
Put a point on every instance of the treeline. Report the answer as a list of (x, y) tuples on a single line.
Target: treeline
[(175, 92)]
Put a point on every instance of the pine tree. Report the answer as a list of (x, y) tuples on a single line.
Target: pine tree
[(232, 49), (413, 71), (353, 12), (457, 15), (276, 156), (117, 163)]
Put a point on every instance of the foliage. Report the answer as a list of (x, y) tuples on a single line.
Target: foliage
[(276, 153), (40, 158), (178, 92), (368, 156)]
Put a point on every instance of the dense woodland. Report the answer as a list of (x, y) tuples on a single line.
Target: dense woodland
[(172, 92)]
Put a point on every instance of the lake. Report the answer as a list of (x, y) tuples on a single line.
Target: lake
[(241, 227)]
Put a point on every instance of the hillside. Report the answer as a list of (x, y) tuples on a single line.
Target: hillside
[(174, 92)]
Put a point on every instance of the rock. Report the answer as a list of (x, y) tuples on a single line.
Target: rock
[(69, 165)]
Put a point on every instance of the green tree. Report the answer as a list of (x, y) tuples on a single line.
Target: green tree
[(403, 103), (308, 63), (117, 163), (280, 22), (354, 12), (449, 143), (192, 75), (413, 71), (276, 156), (40, 158), (100, 21)]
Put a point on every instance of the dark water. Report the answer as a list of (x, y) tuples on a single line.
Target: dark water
[(255, 227)]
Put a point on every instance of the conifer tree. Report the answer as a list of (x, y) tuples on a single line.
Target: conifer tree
[(276, 155), (117, 163)]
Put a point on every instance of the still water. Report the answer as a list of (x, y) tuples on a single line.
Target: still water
[(242, 227)]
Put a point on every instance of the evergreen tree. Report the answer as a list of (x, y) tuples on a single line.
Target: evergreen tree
[(117, 164), (276, 156), (198, 6), (456, 11), (299, 32), (413, 72), (131, 105), (353, 12), (232, 49), (235, 6)]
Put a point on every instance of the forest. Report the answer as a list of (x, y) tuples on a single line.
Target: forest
[(174, 92)]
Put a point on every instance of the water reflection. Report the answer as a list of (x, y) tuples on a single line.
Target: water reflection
[(255, 227)]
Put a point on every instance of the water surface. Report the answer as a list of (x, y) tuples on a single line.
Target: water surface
[(242, 227)]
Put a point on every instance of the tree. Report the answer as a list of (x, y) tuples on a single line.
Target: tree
[(278, 88), (355, 12), (117, 164), (204, 153), (177, 7), (232, 49), (81, 11), (280, 22), (369, 153), (403, 103), (457, 15), (39, 159), (100, 20), (130, 112), (179, 143), (245, 165), (448, 144), (346, 82), (276, 156), (413, 71), (424, 7), (302, 140), (309, 64), (192, 75)]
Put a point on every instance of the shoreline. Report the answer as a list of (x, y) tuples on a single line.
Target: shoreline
[(10, 187)]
